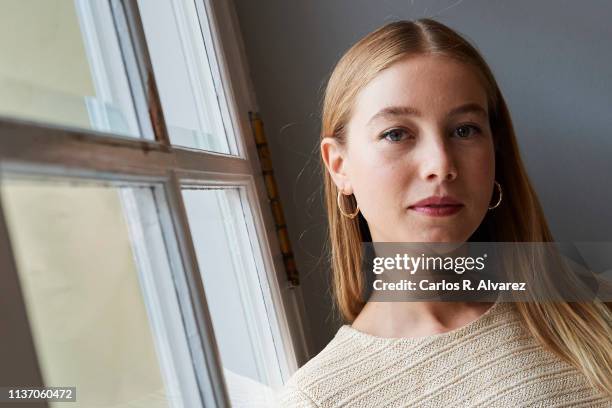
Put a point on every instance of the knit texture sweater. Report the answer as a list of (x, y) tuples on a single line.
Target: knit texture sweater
[(490, 362)]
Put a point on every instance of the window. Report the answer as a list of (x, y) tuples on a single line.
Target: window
[(135, 237), (234, 281), (85, 296), (190, 89), (66, 67)]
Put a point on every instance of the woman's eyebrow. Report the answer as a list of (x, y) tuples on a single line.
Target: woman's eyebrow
[(394, 111)]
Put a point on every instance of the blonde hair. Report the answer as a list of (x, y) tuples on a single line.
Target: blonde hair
[(579, 332)]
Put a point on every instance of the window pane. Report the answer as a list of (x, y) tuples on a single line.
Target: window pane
[(237, 295), (60, 63), (191, 95), (99, 293)]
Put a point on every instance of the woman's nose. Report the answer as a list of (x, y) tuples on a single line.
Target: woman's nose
[(437, 161)]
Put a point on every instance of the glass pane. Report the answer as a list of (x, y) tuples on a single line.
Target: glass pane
[(98, 292), (60, 63), (185, 70), (237, 295)]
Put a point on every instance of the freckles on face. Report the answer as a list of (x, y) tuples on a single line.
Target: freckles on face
[(420, 128)]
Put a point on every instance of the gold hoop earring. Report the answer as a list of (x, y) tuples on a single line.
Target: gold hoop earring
[(351, 215), (500, 196)]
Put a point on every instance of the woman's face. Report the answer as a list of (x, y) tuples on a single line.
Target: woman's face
[(417, 130)]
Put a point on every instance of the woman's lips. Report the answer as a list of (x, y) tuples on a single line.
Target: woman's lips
[(438, 210)]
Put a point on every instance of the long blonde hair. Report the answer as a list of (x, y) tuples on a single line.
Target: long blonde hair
[(579, 332)]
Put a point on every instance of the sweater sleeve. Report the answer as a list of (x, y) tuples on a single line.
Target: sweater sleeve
[(291, 396)]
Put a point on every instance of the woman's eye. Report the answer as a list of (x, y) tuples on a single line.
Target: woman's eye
[(394, 135), (464, 131)]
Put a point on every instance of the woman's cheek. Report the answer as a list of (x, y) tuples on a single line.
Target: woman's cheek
[(480, 180), (384, 189)]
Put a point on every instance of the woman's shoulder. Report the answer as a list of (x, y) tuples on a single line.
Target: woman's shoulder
[(342, 346), (301, 388), (353, 356)]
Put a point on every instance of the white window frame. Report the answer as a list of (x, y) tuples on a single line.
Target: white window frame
[(86, 153)]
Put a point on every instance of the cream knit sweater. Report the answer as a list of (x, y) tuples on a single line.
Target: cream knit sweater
[(490, 362)]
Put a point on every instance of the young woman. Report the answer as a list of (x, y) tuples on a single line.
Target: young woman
[(411, 112)]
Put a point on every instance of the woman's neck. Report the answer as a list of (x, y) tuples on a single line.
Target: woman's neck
[(416, 319)]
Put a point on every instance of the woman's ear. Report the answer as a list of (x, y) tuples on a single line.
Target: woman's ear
[(334, 157)]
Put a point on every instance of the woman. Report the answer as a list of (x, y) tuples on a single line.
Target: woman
[(411, 112)]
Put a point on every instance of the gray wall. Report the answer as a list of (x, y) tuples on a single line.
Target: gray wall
[(551, 59)]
